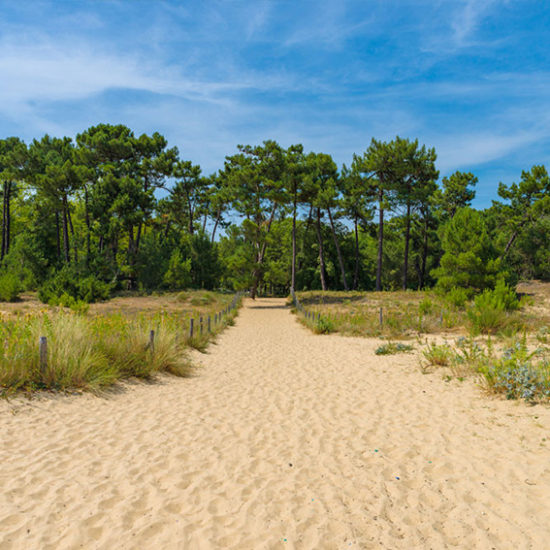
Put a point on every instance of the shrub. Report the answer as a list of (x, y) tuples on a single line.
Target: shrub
[(517, 376), (323, 326), (489, 313), (67, 283), (457, 297), (438, 354), (178, 274), (391, 348), (504, 296), (10, 287)]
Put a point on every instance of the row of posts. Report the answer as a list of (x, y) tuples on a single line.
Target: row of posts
[(310, 315), (43, 342), (217, 317)]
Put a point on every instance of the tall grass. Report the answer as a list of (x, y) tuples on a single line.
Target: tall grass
[(92, 352)]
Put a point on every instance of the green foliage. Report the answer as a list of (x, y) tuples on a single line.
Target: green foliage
[(67, 287), (323, 325), (437, 354), (517, 375), (10, 287), (392, 348), (470, 260), (178, 274), (489, 312), (457, 297)]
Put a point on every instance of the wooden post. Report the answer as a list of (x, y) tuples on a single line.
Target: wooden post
[(209, 326), (191, 323), (152, 341), (381, 319), (215, 318), (200, 324), (43, 346)]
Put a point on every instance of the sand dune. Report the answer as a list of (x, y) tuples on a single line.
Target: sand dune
[(285, 439)]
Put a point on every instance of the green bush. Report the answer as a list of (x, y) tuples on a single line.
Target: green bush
[(10, 287), (489, 313), (68, 284), (178, 274), (438, 354), (323, 326), (505, 296), (457, 297)]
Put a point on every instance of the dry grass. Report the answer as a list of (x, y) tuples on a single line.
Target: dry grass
[(408, 314)]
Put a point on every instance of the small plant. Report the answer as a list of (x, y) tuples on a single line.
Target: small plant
[(323, 326), (439, 355), (457, 297), (392, 348), (489, 313)]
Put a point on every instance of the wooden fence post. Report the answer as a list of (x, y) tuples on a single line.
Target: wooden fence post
[(200, 324), (43, 346), (209, 326), (152, 341), (381, 318), (191, 323)]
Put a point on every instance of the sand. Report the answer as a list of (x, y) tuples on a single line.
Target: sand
[(284, 439)]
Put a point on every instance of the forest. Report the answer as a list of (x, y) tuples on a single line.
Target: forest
[(110, 211)]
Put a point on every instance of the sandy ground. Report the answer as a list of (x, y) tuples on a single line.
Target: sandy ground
[(285, 439)]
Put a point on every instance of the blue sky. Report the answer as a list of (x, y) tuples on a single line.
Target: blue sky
[(470, 78)]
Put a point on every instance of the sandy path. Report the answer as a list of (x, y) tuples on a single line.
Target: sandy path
[(285, 440)]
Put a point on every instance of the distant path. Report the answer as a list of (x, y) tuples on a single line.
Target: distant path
[(285, 439)]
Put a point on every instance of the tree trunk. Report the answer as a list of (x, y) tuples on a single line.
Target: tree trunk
[(72, 235), (87, 218), (356, 271), (138, 238), (306, 229), (8, 218), (66, 245), (293, 274), (338, 251), (510, 242), (321, 252), (407, 240), (380, 240), (191, 214), (58, 237), (261, 254), (424, 255), (218, 216), (4, 220)]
